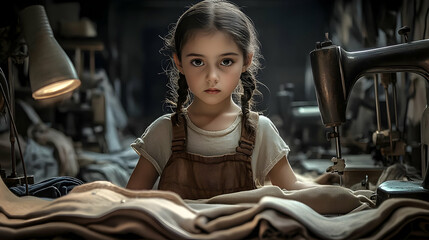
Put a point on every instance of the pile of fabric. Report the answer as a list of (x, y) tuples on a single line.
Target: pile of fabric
[(101, 210)]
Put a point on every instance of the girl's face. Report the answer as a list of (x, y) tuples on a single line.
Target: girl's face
[(212, 64)]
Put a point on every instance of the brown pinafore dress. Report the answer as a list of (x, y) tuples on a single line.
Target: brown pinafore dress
[(196, 177)]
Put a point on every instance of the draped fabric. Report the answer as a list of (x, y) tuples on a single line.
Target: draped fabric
[(101, 210)]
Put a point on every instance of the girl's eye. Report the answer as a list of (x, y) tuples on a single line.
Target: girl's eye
[(226, 62), (197, 62)]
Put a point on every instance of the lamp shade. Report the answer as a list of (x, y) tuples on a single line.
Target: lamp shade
[(51, 71)]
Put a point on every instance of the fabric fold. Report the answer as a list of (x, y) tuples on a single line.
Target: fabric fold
[(101, 210)]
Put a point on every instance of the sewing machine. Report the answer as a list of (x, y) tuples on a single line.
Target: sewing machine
[(335, 72)]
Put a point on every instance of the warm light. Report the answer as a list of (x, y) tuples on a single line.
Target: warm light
[(56, 89)]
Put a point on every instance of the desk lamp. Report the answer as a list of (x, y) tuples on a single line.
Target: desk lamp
[(51, 72)]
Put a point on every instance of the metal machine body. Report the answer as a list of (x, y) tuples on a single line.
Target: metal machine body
[(335, 72)]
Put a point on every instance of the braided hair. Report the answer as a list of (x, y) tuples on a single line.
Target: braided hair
[(214, 15)]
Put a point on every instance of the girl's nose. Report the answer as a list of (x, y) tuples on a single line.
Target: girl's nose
[(212, 76)]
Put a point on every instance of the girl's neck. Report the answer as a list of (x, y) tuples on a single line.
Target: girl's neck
[(213, 117)]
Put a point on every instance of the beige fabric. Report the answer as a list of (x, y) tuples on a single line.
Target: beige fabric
[(155, 144), (324, 199), (101, 210)]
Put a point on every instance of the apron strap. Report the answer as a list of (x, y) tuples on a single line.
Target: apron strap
[(178, 143), (247, 139)]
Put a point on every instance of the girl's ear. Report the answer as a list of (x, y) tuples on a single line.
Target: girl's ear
[(178, 63), (247, 62)]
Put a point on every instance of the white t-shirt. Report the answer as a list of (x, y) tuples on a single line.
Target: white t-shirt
[(155, 144)]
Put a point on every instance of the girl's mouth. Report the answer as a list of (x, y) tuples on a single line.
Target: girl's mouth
[(212, 91)]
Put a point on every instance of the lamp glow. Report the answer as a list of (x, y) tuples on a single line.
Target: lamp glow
[(56, 89)]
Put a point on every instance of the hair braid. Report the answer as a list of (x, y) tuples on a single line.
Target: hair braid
[(248, 82), (182, 92)]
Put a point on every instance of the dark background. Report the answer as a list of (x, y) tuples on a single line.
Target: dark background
[(132, 30)]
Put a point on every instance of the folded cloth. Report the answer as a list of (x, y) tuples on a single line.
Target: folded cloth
[(101, 210), (325, 199), (54, 187)]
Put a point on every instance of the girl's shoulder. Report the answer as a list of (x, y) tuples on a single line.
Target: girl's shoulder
[(162, 120), (161, 123), (264, 119), (265, 123), (261, 119)]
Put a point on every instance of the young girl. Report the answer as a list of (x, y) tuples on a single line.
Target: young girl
[(213, 143)]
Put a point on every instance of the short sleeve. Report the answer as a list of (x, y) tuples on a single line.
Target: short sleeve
[(269, 149), (155, 142)]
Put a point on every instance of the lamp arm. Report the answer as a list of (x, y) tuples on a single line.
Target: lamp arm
[(4, 85), (3, 82)]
